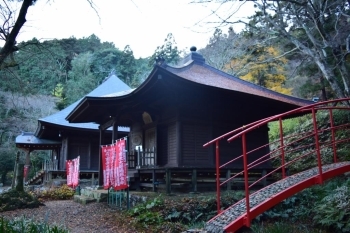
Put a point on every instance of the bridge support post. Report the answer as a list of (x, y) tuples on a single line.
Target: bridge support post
[(333, 136), (246, 184), (282, 149), (319, 162), (217, 160)]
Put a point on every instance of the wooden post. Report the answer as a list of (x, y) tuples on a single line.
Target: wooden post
[(264, 181), (168, 181), (115, 132), (228, 176), (19, 177), (154, 188), (27, 164), (15, 171), (155, 157), (138, 186), (93, 179), (100, 167), (194, 180)]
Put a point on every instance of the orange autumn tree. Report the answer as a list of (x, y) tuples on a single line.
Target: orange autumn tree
[(263, 66)]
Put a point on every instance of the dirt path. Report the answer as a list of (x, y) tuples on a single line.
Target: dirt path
[(91, 218)]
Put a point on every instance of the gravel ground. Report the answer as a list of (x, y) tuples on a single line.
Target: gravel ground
[(94, 217)]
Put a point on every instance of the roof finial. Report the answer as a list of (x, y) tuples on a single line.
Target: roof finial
[(160, 60), (112, 72), (193, 49)]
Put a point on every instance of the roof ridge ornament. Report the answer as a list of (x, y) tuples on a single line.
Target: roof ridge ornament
[(159, 60), (194, 56)]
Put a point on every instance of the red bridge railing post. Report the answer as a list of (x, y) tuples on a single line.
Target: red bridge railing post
[(317, 145), (282, 149), (246, 184), (217, 162), (333, 136)]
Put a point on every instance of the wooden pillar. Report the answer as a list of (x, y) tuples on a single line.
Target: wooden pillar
[(19, 177), (138, 179), (13, 185), (154, 188), (100, 167), (194, 180), (168, 180), (115, 132), (228, 176), (178, 142), (27, 165), (92, 179)]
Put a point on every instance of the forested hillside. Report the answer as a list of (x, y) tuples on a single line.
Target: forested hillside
[(72, 66), (292, 47), (47, 76)]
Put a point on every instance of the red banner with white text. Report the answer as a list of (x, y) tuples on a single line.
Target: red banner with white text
[(72, 168), (121, 181), (108, 156), (114, 166)]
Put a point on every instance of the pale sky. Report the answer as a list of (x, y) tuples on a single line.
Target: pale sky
[(142, 24)]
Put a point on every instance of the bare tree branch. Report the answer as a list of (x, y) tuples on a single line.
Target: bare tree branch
[(10, 44), (10, 30)]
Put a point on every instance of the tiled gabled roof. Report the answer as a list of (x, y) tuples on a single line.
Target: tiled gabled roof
[(28, 138), (196, 70), (111, 85)]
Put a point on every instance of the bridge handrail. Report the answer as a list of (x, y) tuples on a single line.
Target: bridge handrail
[(241, 132), (232, 132), (295, 111)]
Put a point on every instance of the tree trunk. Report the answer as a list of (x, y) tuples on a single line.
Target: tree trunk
[(329, 75), (15, 171), (10, 42), (3, 178), (323, 89), (19, 178), (345, 77)]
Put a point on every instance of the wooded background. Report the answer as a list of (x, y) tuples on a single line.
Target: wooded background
[(295, 47)]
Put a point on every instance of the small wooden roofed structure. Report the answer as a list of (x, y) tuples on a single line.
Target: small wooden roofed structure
[(178, 109), (27, 140), (68, 140)]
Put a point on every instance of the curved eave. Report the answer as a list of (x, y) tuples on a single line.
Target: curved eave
[(204, 74), (52, 130), (93, 109), (100, 103), (30, 141)]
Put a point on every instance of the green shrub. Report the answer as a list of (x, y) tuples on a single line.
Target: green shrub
[(13, 199), (292, 130), (283, 227), (63, 192), (148, 213), (333, 211), (328, 205), (23, 225), (174, 214)]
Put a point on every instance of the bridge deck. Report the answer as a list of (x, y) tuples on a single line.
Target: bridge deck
[(233, 218)]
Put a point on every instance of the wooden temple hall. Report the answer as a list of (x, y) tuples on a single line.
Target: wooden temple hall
[(169, 117)]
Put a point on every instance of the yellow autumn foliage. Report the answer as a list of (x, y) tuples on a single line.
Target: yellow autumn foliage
[(264, 67)]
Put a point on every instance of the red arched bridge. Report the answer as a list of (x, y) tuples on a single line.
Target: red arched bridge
[(319, 145)]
